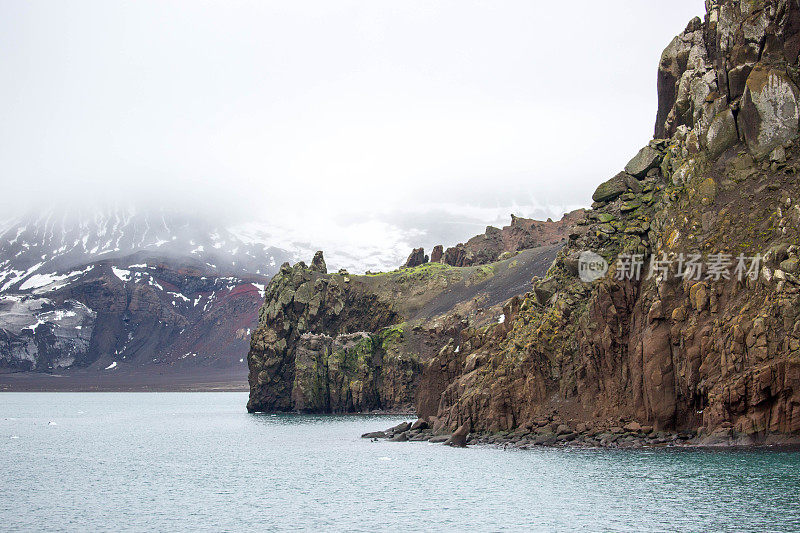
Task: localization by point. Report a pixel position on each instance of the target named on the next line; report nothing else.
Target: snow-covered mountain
(121, 290)
(38, 245)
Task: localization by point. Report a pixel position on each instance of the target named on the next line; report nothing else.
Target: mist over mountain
(365, 147)
(62, 238)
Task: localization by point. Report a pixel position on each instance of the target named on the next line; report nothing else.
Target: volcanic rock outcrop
(318, 263)
(649, 341)
(437, 254)
(495, 243)
(711, 353)
(347, 343)
(416, 258)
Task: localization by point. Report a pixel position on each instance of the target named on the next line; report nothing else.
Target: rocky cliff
(499, 243)
(714, 352)
(346, 343)
(674, 306)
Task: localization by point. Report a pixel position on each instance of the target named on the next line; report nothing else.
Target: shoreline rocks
(630, 436)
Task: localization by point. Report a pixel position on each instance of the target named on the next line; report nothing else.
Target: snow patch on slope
(121, 273)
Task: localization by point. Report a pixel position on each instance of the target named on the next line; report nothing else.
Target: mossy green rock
(647, 158)
(608, 229)
(611, 189)
(635, 230)
(632, 205)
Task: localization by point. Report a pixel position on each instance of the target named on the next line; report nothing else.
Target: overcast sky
(332, 122)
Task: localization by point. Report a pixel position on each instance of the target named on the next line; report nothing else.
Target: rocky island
(503, 338)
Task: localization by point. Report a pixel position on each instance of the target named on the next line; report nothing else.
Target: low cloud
(362, 128)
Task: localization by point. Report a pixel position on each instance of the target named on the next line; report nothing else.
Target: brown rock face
(712, 354)
(522, 234)
(715, 352)
(318, 263)
(416, 258)
(459, 437)
(437, 254)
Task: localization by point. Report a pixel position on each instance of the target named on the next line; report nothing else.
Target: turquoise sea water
(198, 461)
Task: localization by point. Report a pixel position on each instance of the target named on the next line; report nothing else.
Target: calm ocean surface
(198, 461)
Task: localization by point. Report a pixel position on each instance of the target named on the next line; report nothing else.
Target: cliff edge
(714, 350)
(351, 343)
(675, 304)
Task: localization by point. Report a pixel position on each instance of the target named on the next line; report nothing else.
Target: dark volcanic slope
(511, 277)
(113, 324)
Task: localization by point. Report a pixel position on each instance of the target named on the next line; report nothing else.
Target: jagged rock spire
(318, 263)
(733, 77)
